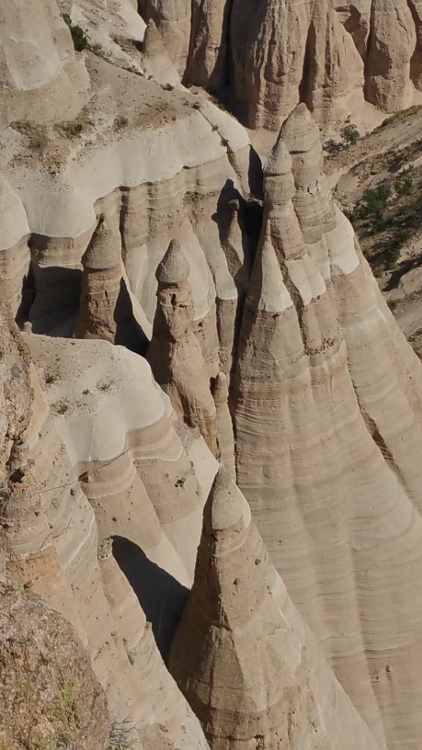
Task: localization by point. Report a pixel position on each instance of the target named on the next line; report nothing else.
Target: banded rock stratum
(176, 317)
(337, 56)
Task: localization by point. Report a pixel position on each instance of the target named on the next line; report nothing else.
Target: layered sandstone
(237, 657)
(175, 354)
(48, 695)
(58, 540)
(103, 479)
(334, 56)
(320, 388)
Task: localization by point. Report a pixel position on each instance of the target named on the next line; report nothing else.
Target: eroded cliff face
(335, 55)
(319, 347)
(129, 248)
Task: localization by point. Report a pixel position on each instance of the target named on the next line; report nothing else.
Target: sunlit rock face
(335, 55)
(327, 396)
(130, 227)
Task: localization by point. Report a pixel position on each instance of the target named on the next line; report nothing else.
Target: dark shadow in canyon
(232, 207)
(161, 596)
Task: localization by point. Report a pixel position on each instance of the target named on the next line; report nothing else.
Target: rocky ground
(378, 183)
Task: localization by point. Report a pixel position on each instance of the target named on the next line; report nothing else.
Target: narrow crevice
(306, 86)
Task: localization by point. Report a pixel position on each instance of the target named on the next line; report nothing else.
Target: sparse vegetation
(386, 218)
(403, 184)
(350, 134)
(36, 134)
(71, 128)
(121, 736)
(80, 42)
(120, 122)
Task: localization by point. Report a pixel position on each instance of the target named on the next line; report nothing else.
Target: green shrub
(403, 184)
(350, 134)
(120, 122)
(80, 42)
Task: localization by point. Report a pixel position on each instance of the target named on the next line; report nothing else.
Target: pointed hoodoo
(153, 44)
(105, 310)
(174, 268)
(103, 252)
(279, 161)
(279, 185)
(234, 656)
(220, 393)
(313, 201)
(175, 354)
(300, 131)
(101, 283)
(158, 64)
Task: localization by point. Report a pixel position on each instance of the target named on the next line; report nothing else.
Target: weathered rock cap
(220, 390)
(279, 161)
(103, 251)
(225, 507)
(300, 131)
(153, 44)
(174, 268)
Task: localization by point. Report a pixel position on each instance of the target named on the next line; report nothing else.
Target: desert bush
(80, 42)
(403, 184)
(121, 736)
(350, 134)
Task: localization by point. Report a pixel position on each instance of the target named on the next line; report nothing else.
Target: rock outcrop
(49, 695)
(41, 76)
(319, 347)
(280, 356)
(175, 354)
(235, 656)
(106, 307)
(334, 56)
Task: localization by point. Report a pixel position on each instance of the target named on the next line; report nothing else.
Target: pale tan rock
(235, 656)
(334, 56)
(156, 60)
(220, 394)
(51, 539)
(105, 306)
(315, 429)
(175, 354)
(390, 48)
(41, 78)
(172, 18)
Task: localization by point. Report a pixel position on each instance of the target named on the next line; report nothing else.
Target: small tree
(80, 41)
(350, 134)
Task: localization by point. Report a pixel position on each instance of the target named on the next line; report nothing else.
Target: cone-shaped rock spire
(175, 354)
(174, 268)
(234, 656)
(105, 305)
(224, 423)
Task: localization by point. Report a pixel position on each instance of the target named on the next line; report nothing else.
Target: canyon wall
(337, 56)
(166, 308)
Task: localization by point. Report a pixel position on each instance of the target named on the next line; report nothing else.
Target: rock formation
(235, 656)
(220, 394)
(131, 213)
(105, 306)
(315, 331)
(332, 55)
(49, 696)
(175, 354)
